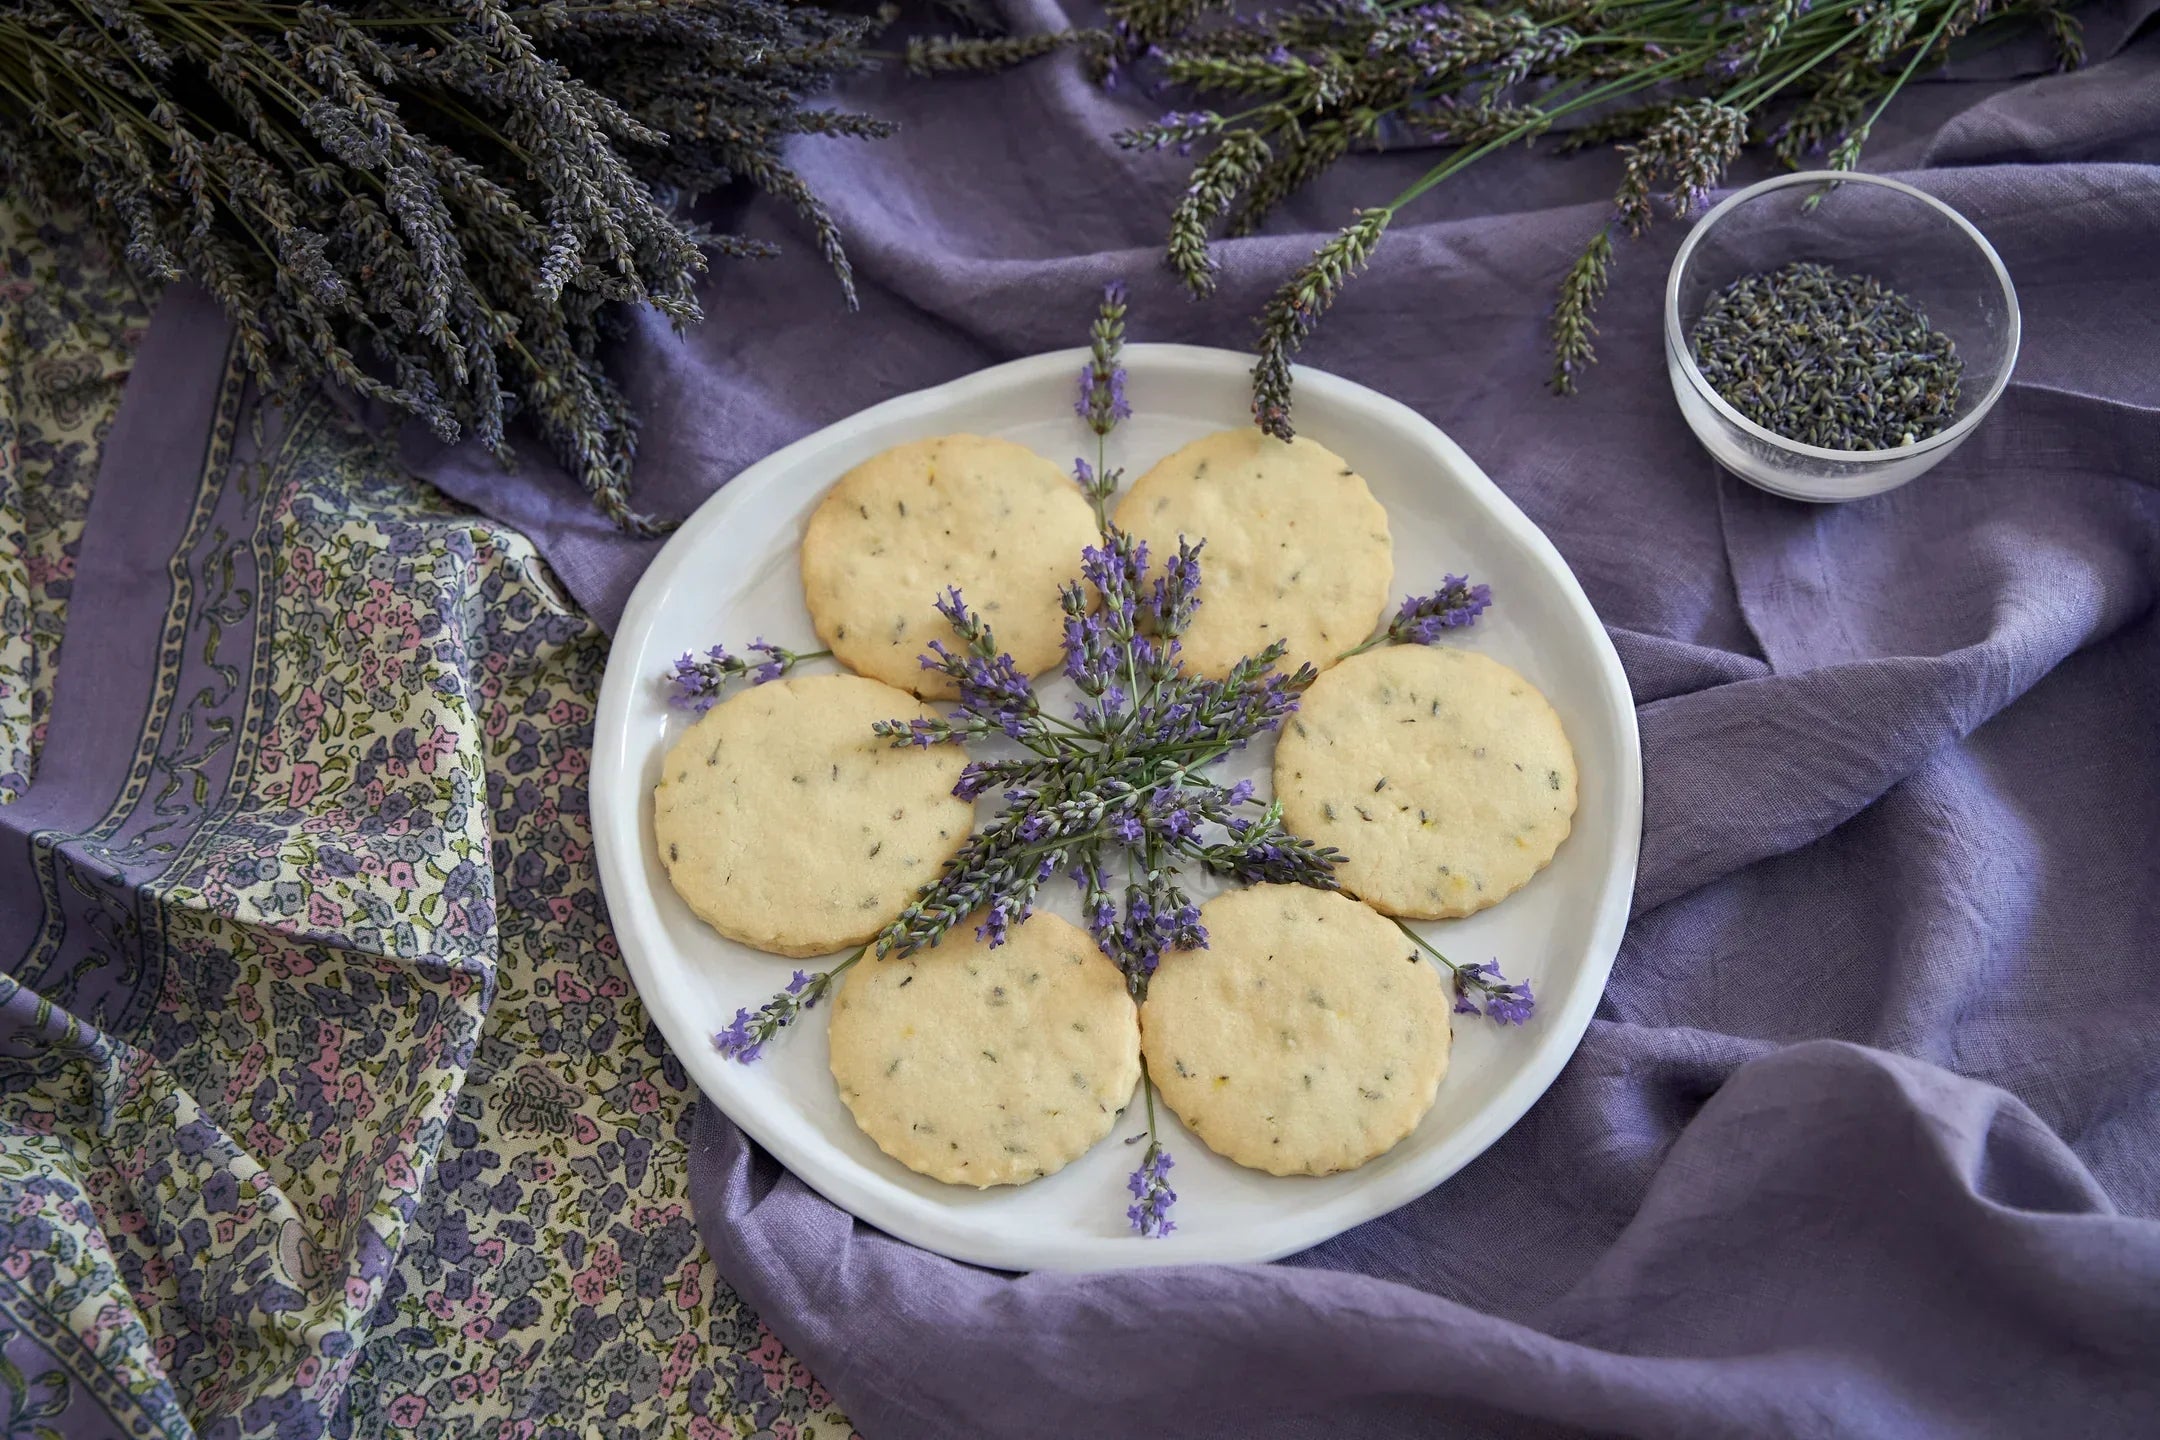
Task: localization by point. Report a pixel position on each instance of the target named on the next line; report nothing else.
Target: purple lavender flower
(1152, 1195)
(1100, 488)
(1101, 917)
(775, 663)
(1116, 569)
(1176, 593)
(1084, 407)
(994, 695)
(1510, 1005)
(1079, 632)
(746, 1035)
(1423, 618)
(738, 1041)
(696, 683)
(1178, 128)
(1506, 1002)
(1102, 400)
(1173, 818)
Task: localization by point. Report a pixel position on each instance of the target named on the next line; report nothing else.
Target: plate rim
(920, 1220)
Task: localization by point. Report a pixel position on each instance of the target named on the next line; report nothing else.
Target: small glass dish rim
(1940, 440)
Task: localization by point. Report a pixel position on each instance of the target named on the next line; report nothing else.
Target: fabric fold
(1766, 1286)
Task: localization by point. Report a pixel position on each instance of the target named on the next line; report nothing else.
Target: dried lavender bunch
(1267, 102)
(434, 203)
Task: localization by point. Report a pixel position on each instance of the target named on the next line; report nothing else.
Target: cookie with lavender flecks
(981, 1065)
(1305, 1039)
(785, 823)
(1298, 550)
(988, 517)
(1443, 777)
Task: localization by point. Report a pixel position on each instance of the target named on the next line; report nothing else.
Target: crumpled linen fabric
(1863, 1139)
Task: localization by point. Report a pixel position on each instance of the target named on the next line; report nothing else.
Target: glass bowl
(1868, 225)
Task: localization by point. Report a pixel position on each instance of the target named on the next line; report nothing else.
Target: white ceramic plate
(730, 575)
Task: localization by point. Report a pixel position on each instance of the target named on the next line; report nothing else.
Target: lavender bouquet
(434, 203)
(1116, 797)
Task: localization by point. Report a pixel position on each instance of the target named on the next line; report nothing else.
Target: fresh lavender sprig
(695, 682)
(1102, 400)
(1097, 487)
(1177, 129)
(1505, 1001)
(1150, 1186)
(1689, 150)
(1216, 182)
(992, 689)
(1572, 327)
(1149, 1214)
(747, 1034)
(1262, 852)
(1158, 917)
(1295, 308)
(1423, 619)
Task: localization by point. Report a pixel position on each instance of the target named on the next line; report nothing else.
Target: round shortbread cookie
(990, 517)
(1443, 777)
(785, 824)
(1297, 548)
(981, 1066)
(1305, 1039)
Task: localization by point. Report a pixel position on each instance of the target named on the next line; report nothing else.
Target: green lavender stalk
(1295, 308)
(1216, 181)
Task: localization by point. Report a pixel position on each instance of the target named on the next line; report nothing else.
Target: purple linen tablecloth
(1865, 1139)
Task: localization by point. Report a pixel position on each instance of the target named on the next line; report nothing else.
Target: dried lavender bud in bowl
(1828, 358)
(1833, 335)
